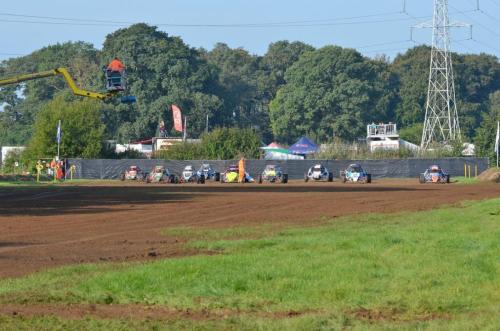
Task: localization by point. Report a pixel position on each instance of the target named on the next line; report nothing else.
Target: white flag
(497, 140)
(59, 132)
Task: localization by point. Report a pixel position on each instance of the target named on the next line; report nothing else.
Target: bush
(220, 144)
(82, 130)
(128, 154)
(9, 165)
(339, 150)
(182, 151)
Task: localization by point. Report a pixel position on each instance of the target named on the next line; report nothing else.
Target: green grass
(464, 180)
(443, 264)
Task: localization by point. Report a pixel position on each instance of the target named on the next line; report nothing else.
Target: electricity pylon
(441, 124)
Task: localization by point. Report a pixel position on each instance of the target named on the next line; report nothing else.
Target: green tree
(237, 83)
(486, 133)
(412, 69)
(220, 144)
(412, 133)
(332, 91)
(82, 130)
(161, 71)
(477, 76)
(279, 57)
(24, 100)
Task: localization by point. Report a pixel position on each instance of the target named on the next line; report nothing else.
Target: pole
(58, 140)
(185, 129)
(206, 127)
(497, 142)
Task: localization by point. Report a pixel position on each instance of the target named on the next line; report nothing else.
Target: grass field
(437, 270)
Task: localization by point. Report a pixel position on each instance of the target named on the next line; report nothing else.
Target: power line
(485, 44)
(488, 15)
(204, 25)
(307, 23)
(380, 44)
(382, 51)
(465, 46)
(478, 23)
(495, 3)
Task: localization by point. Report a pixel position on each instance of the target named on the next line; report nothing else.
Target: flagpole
(497, 143)
(59, 140)
(185, 128)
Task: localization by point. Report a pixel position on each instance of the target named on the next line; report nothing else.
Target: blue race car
(355, 174)
(434, 174)
(209, 173)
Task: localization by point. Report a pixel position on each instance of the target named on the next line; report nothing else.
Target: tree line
(292, 90)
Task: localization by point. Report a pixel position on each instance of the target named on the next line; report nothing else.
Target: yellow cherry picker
(115, 81)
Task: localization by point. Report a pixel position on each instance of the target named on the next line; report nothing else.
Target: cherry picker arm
(69, 80)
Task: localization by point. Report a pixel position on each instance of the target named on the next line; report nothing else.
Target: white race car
(190, 175)
(318, 172)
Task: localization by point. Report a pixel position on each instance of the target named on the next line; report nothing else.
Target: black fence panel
(395, 168)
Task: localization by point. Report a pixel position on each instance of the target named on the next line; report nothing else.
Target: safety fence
(395, 168)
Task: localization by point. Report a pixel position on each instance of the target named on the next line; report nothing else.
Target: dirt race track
(52, 226)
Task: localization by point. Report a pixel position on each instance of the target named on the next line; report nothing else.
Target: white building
(382, 137)
(145, 149)
(6, 150)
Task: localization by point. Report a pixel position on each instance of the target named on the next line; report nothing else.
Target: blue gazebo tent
(303, 146)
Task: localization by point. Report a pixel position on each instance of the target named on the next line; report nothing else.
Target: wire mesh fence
(396, 168)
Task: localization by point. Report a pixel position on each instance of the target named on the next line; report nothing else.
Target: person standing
(241, 170)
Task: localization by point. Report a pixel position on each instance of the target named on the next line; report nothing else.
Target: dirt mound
(490, 175)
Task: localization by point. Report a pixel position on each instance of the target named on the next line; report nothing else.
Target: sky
(373, 27)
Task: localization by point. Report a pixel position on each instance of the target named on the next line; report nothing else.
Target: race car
(133, 173)
(273, 174)
(434, 174)
(189, 175)
(318, 172)
(160, 174)
(231, 175)
(355, 174)
(209, 173)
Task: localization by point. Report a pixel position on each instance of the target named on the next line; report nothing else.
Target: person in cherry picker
(115, 75)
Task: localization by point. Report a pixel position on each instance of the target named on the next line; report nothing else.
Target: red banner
(176, 112)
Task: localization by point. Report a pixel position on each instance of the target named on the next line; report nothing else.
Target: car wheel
(306, 178)
(330, 177)
(122, 177)
(217, 176)
(260, 179)
(285, 179)
(368, 178)
(421, 179)
(447, 179)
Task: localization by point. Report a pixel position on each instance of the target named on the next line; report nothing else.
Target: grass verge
(429, 269)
